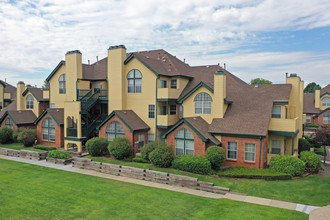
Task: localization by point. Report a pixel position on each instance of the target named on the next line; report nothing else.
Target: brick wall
(200, 146)
(319, 119)
(3, 123)
(59, 134)
(240, 152)
(42, 107)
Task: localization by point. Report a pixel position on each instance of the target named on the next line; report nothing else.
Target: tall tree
(45, 85)
(258, 81)
(311, 87)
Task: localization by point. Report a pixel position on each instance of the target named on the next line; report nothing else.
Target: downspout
(133, 145)
(156, 107)
(260, 151)
(292, 145)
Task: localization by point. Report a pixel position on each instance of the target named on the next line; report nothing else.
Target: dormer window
(62, 86)
(326, 101)
(276, 113)
(134, 81)
(203, 103)
(29, 101)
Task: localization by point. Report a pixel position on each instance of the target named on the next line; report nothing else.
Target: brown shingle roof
(326, 89)
(10, 107)
(37, 92)
(309, 103)
(95, 71)
(9, 89)
(132, 119)
(22, 117)
(58, 114)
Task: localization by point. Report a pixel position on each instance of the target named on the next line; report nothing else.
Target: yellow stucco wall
(72, 110)
(35, 104)
(321, 99)
(169, 93)
(2, 95)
(54, 95)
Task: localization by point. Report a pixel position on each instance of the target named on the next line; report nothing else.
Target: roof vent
(184, 60)
(195, 118)
(256, 86)
(57, 110)
(164, 59)
(158, 57)
(207, 66)
(147, 57)
(125, 113)
(169, 67)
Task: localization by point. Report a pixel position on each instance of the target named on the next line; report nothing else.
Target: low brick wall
(32, 155)
(150, 175)
(59, 161)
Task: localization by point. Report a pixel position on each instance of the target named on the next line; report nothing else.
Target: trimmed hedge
(148, 148)
(120, 148)
(319, 151)
(311, 125)
(162, 156)
(43, 147)
(194, 164)
(216, 155)
(6, 135)
(28, 137)
(16, 133)
(253, 173)
(59, 154)
(312, 161)
(138, 159)
(97, 146)
(287, 164)
(303, 145)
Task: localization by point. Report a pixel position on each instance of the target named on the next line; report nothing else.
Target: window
(275, 147)
(326, 101)
(173, 84)
(151, 138)
(134, 81)
(162, 110)
(232, 150)
(276, 113)
(151, 111)
(172, 109)
(163, 83)
(29, 102)
(52, 105)
(62, 85)
(115, 129)
(308, 119)
(326, 118)
(48, 130)
(184, 142)
(141, 140)
(9, 123)
(203, 103)
(249, 152)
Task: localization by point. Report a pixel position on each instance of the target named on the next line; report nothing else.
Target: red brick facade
(128, 133)
(29, 126)
(43, 106)
(59, 134)
(319, 119)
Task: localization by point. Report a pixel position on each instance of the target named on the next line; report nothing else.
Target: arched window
(115, 129)
(134, 81)
(9, 123)
(326, 118)
(184, 142)
(326, 101)
(62, 85)
(203, 103)
(48, 130)
(29, 101)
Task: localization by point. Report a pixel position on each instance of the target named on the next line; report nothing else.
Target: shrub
(311, 125)
(254, 173)
(97, 146)
(28, 137)
(6, 135)
(194, 164)
(16, 134)
(312, 161)
(120, 148)
(319, 151)
(138, 159)
(216, 156)
(303, 145)
(287, 164)
(59, 154)
(162, 156)
(148, 148)
(43, 147)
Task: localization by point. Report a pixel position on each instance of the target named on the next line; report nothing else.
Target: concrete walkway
(317, 211)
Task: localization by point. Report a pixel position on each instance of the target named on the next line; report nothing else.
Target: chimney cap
(293, 75)
(21, 82)
(73, 51)
(28, 85)
(219, 72)
(117, 46)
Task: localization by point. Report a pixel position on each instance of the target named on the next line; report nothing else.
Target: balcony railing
(71, 132)
(83, 94)
(167, 120)
(287, 125)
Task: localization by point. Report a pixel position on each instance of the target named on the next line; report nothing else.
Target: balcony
(168, 93)
(71, 132)
(167, 120)
(285, 125)
(83, 94)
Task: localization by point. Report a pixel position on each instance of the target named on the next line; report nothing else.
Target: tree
(45, 85)
(258, 81)
(311, 87)
(322, 135)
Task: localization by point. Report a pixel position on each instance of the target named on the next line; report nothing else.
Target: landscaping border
(59, 161)
(32, 155)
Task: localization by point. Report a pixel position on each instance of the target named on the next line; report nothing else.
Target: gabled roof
(36, 92)
(95, 71)
(11, 107)
(199, 126)
(62, 62)
(129, 118)
(309, 104)
(9, 89)
(56, 113)
(20, 117)
(321, 112)
(325, 90)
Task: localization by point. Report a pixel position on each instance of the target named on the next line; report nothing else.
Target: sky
(256, 39)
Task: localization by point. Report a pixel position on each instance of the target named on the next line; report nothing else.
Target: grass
(311, 190)
(45, 193)
(17, 146)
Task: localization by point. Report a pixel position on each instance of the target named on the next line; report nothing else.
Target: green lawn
(33, 192)
(17, 146)
(311, 190)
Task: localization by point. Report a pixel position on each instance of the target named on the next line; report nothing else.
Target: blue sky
(254, 38)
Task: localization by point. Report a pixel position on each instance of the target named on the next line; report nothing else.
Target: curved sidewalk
(319, 213)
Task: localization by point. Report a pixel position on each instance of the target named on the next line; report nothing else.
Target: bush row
(59, 154)
(21, 135)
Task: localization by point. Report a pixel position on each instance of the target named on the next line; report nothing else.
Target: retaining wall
(59, 161)
(150, 175)
(32, 155)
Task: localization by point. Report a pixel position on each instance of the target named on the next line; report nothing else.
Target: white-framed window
(172, 109)
(62, 84)
(232, 150)
(203, 103)
(326, 101)
(163, 83)
(29, 101)
(249, 152)
(9, 123)
(52, 105)
(275, 147)
(151, 137)
(134, 81)
(151, 111)
(326, 118)
(115, 129)
(174, 83)
(276, 112)
(162, 110)
(308, 119)
(184, 142)
(141, 140)
(48, 130)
